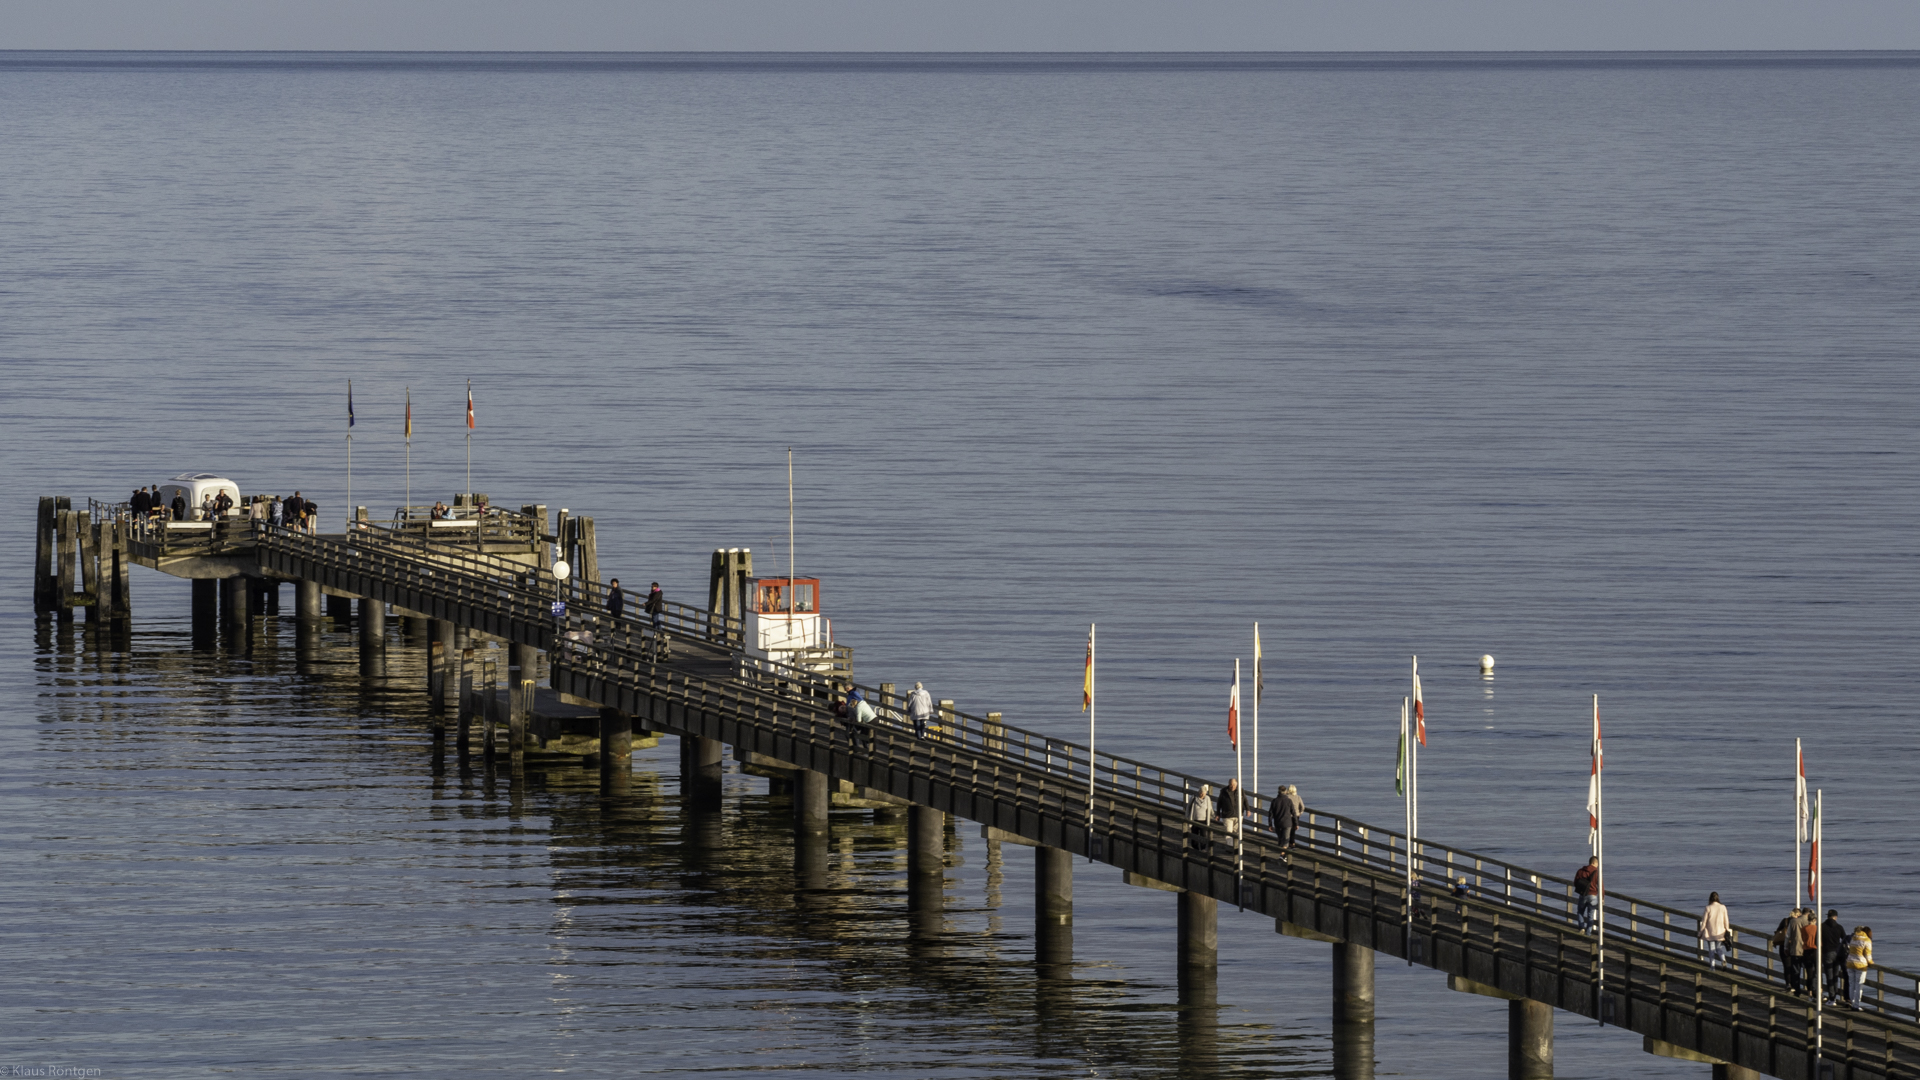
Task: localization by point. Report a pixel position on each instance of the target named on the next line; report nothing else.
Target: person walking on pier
(1586, 885)
(656, 606)
(1200, 820)
(276, 513)
(1790, 940)
(1833, 956)
(920, 710)
(1231, 809)
(1283, 814)
(140, 503)
(1859, 959)
(1715, 928)
(616, 600)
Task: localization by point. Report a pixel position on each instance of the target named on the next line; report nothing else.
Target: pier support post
(1529, 1040)
(700, 772)
(1052, 906)
(306, 600)
(235, 591)
(373, 637)
(1352, 1012)
(206, 609)
(616, 742)
(811, 800)
(926, 858)
(1199, 932)
(522, 669)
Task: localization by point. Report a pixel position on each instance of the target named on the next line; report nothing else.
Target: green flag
(1400, 770)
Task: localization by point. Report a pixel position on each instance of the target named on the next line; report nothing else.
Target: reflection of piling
(1352, 1012)
(926, 871)
(1199, 1024)
(1052, 909)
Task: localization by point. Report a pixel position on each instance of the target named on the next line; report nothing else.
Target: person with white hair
(920, 710)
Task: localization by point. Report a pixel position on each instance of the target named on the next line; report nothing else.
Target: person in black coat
(179, 506)
(1833, 957)
(1283, 816)
(140, 503)
(616, 599)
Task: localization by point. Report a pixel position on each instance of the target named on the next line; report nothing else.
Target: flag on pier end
(349, 402)
(469, 404)
(1813, 856)
(1233, 708)
(1593, 780)
(1419, 709)
(409, 433)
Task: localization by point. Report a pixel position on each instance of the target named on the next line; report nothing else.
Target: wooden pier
(1495, 929)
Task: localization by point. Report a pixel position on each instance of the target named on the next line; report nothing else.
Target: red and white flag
(469, 404)
(1813, 859)
(1233, 709)
(1419, 709)
(1593, 780)
(1800, 808)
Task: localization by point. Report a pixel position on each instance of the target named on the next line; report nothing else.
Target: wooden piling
(87, 544)
(119, 572)
(521, 709)
(1529, 1039)
(464, 722)
(442, 656)
(46, 583)
(1353, 1011)
(234, 606)
(589, 566)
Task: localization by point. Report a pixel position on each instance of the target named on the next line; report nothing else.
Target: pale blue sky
(967, 25)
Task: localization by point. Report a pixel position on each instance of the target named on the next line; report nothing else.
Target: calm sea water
(1604, 365)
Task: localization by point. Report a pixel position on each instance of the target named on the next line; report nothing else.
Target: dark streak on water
(1602, 364)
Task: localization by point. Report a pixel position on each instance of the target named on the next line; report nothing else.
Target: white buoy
(1486, 664)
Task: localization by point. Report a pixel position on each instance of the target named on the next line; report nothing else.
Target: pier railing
(584, 599)
(1121, 797)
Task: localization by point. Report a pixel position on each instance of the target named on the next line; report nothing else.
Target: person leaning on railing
(1586, 885)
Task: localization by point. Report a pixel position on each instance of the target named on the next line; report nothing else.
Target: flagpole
(1600, 853)
(1799, 814)
(349, 480)
(1240, 822)
(1406, 805)
(1256, 707)
(1819, 932)
(1092, 714)
(409, 503)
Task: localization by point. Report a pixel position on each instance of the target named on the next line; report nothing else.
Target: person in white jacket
(919, 710)
(1715, 929)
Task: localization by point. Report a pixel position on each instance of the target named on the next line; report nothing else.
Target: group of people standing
(295, 512)
(1844, 958)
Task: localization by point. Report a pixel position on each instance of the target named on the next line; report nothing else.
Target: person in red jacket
(1586, 885)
